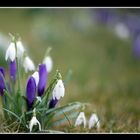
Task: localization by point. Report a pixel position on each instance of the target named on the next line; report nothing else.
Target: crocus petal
(53, 103)
(36, 77)
(13, 70)
(94, 121)
(81, 119)
(30, 91)
(2, 71)
(59, 90)
(20, 49)
(49, 63)
(11, 52)
(2, 84)
(28, 64)
(43, 75)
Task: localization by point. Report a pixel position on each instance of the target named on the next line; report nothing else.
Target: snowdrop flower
(30, 91)
(13, 70)
(35, 75)
(11, 52)
(28, 64)
(34, 121)
(20, 49)
(94, 121)
(81, 119)
(58, 90)
(121, 31)
(49, 63)
(43, 75)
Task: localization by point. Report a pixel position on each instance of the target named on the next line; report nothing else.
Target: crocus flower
(81, 119)
(94, 121)
(43, 75)
(34, 121)
(58, 90)
(2, 71)
(13, 70)
(28, 64)
(49, 63)
(20, 49)
(30, 91)
(11, 52)
(2, 84)
(53, 103)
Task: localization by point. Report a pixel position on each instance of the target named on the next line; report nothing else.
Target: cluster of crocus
(93, 121)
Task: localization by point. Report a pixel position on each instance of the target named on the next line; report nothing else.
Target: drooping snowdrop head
(94, 121)
(58, 90)
(49, 63)
(30, 91)
(43, 76)
(13, 70)
(11, 52)
(20, 49)
(81, 119)
(2, 84)
(35, 75)
(28, 64)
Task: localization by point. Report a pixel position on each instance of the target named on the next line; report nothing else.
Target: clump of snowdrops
(31, 105)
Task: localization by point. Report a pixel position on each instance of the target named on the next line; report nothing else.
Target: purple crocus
(42, 79)
(53, 103)
(13, 70)
(30, 92)
(2, 83)
(2, 71)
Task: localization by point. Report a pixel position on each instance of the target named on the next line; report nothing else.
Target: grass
(105, 73)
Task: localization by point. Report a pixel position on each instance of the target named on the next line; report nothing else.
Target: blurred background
(100, 46)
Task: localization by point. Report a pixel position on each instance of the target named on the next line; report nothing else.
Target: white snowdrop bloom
(48, 62)
(35, 75)
(20, 49)
(81, 119)
(11, 52)
(58, 90)
(94, 121)
(122, 31)
(28, 64)
(33, 122)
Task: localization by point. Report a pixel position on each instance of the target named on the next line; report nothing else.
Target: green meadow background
(104, 71)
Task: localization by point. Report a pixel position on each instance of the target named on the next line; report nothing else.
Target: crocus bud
(53, 103)
(20, 49)
(2, 84)
(58, 90)
(30, 92)
(11, 52)
(2, 71)
(13, 70)
(94, 121)
(81, 119)
(43, 75)
(49, 63)
(28, 64)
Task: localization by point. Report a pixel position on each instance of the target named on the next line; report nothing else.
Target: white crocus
(11, 52)
(35, 75)
(48, 62)
(94, 121)
(81, 119)
(20, 49)
(28, 64)
(58, 90)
